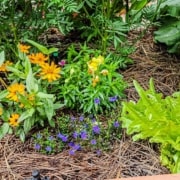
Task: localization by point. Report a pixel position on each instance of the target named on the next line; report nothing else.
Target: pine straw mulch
(127, 158)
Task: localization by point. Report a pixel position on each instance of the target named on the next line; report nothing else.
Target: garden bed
(127, 158)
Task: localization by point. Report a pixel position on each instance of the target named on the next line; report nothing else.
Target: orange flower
(24, 48)
(14, 90)
(50, 72)
(38, 58)
(13, 120)
(3, 67)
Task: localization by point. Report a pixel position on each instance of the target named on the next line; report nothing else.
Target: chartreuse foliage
(157, 119)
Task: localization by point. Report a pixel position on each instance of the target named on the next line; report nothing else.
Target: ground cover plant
(69, 97)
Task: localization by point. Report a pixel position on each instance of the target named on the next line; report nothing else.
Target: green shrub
(157, 119)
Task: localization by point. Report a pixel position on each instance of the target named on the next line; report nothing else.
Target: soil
(127, 158)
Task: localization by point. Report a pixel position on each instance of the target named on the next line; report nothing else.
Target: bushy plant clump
(157, 119)
(35, 87)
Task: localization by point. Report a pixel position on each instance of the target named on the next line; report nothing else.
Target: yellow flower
(38, 58)
(14, 90)
(50, 72)
(104, 72)
(95, 80)
(1, 111)
(13, 120)
(24, 48)
(3, 67)
(94, 64)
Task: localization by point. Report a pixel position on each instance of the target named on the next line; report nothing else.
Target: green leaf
(22, 135)
(44, 95)
(52, 50)
(138, 4)
(2, 57)
(27, 125)
(26, 114)
(3, 94)
(169, 34)
(41, 48)
(31, 84)
(4, 130)
(18, 73)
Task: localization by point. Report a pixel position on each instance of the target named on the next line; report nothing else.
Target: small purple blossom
(96, 129)
(62, 62)
(37, 147)
(51, 138)
(62, 137)
(113, 99)
(73, 118)
(97, 101)
(98, 152)
(71, 144)
(75, 135)
(116, 124)
(93, 120)
(93, 142)
(48, 149)
(83, 135)
(77, 147)
(72, 152)
(81, 118)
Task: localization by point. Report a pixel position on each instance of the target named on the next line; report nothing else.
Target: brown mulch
(127, 158)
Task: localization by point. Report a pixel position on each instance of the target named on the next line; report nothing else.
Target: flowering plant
(90, 82)
(24, 98)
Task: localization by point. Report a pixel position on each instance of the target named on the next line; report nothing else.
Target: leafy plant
(25, 101)
(157, 119)
(89, 81)
(78, 133)
(169, 30)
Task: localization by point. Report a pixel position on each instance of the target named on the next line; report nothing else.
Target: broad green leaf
(44, 95)
(26, 114)
(2, 57)
(52, 50)
(4, 130)
(18, 73)
(138, 4)
(3, 94)
(41, 48)
(27, 125)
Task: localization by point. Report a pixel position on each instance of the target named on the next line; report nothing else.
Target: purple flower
(93, 120)
(48, 149)
(37, 147)
(71, 144)
(93, 142)
(75, 135)
(72, 152)
(116, 124)
(83, 135)
(77, 147)
(73, 118)
(97, 101)
(62, 137)
(51, 138)
(98, 152)
(113, 99)
(81, 118)
(62, 62)
(96, 129)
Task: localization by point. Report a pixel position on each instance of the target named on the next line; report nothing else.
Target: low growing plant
(78, 133)
(157, 119)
